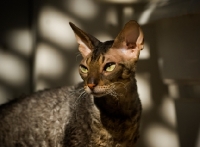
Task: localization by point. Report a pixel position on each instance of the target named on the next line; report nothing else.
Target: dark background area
(38, 50)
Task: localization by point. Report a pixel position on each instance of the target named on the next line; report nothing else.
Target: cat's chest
(88, 128)
(102, 135)
(85, 128)
(98, 134)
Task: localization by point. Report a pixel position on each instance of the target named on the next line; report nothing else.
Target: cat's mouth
(95, 91)
(98, 94)
(100, 91)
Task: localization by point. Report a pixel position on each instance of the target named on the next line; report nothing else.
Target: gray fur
(62, 117)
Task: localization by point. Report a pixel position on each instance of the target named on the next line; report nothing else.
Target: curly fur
(105, 115)
(56, 118)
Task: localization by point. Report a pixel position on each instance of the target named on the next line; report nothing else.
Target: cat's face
(103, 74)
(107, 67)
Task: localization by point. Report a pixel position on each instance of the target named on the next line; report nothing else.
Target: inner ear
(130, 40)
(130, 36)
(86, 41)
(130, 45)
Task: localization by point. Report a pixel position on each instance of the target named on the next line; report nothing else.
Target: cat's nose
(91, 86)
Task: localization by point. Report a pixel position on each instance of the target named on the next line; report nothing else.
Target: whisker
(112, 92)
(79, 54)
(81, 90)
(73, 92)
(79, 98)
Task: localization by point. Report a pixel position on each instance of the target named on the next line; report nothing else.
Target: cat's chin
(95, 93)
(98, 95)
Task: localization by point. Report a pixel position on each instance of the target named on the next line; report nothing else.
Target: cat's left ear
(86, 41)
(129, 41)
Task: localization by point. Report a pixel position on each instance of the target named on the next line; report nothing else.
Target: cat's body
(102, 111)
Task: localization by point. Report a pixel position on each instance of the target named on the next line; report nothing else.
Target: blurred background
(38, 50)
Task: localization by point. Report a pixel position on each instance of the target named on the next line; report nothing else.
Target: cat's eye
(110, 66)
(83, 69)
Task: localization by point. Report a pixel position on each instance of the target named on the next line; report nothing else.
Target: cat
(102, 111)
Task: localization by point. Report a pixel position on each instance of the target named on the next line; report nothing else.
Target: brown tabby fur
(102, 111)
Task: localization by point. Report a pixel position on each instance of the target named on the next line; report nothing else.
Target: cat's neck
(124, 105)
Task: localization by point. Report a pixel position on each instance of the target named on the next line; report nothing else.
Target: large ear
(86, 41)
(129, 41)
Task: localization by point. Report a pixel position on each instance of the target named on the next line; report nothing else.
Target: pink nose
(91, 86)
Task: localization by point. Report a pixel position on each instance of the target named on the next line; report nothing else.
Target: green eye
(83, 69)
(110, 66)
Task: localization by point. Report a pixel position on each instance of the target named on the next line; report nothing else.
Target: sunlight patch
(49, 62)
(144, 90)
(103, 36)
(20, 40)
(13, 70)
(145, 53)
(111, 16)
(167, 111)
(54, 26)
(128, 13)
(120, 1)
(145, 16)
(84, 9)
(158, 135)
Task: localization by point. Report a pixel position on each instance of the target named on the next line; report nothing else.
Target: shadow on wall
(15, 49)
(38, 50)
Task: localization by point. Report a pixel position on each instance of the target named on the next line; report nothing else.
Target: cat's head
(108, 66)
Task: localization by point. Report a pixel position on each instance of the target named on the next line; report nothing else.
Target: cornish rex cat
(102, 111)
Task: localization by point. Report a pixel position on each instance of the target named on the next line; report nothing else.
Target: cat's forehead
(101, 49)
(100, 54)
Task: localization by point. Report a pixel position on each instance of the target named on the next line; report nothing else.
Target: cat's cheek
(83, 76)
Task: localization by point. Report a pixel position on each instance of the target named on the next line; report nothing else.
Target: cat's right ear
(86, 41)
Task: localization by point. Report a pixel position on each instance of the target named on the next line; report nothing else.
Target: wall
(15, 49)
(179, 49)
(38, 50)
